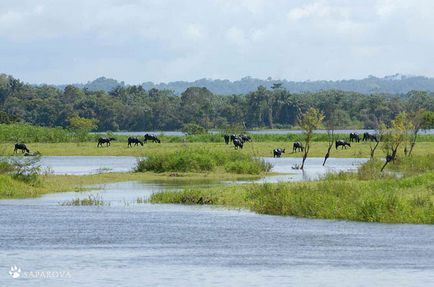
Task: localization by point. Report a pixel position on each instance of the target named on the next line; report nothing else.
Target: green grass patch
(90, 200)
(203, 160)
(367, 195)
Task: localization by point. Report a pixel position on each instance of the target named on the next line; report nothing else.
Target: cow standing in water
(343, 144)
(278, 152)
(22, 147)
(106, 141)
(297, 146)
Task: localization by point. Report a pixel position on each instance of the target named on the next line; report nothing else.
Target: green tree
(194, 129)
(82, 126)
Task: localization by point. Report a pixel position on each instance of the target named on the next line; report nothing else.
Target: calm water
(79, 165)
(280, 131)
(130, 244)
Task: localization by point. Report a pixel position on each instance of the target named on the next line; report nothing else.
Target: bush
(202, 160)
(26, 169)
(194, 129)
(248, 167)
(29, 133)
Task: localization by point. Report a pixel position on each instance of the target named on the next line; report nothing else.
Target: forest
(134, 108)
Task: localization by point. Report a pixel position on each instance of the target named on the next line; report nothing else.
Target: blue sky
(56, 41)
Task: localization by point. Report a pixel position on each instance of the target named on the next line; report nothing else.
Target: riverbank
(363, 196)
(260, 149)
(11, 188)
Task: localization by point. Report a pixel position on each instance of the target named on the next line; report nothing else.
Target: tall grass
(366, 195)
(90, 200)
(29, 133)
(202, 160)
(408, 200)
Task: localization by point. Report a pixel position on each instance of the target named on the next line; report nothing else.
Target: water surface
(130, 244)
(126, 243)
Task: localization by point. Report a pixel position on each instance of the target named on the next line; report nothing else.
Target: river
(263, 132)
(126, 243)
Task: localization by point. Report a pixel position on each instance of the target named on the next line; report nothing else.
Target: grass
(119, 148)
(12, 188)
(27, 133)
(90, 200)
(203, 160)
(363, 196)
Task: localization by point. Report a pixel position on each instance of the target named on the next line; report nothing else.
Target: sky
(59, 41)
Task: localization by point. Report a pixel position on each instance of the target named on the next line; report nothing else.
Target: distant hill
(395, 84)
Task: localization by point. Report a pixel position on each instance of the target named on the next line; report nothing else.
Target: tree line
(134, 108)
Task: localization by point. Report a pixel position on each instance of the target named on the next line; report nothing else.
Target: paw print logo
(15, 271)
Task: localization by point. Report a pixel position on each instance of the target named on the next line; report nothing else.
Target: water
(130, 244)
(260, 132)
(80, 165)
(126, 243)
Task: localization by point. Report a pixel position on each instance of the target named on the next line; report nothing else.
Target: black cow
(134, 141)
(152, 138)
(278, 152)
(343, 144)
(369, 137)
(22, 147)
(245, 138)
(227, 138)
(297, 146)
(354, 137)
(238, 143)
(106, 141)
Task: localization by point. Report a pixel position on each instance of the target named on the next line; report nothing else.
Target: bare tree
(395, 136)
(309, 121)
(421, 119)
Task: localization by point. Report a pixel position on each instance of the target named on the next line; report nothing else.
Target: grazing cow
(342, 143)
(278, 152)
(22, 147)
(232, 137)
(369, 137)
(297, 146)
(106, 141)
(152, 138)
(134, 141)
(245, 138)
(354, 137)
(238, 143)
(227, 138)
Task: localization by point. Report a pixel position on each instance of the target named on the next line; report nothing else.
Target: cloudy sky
(58, 41)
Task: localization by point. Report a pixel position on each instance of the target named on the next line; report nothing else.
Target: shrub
(202, 160)
(194, 129)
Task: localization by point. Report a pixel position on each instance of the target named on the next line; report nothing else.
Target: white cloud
(164, 40)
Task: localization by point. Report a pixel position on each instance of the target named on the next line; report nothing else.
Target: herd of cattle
(237, 140)
(131, 140)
